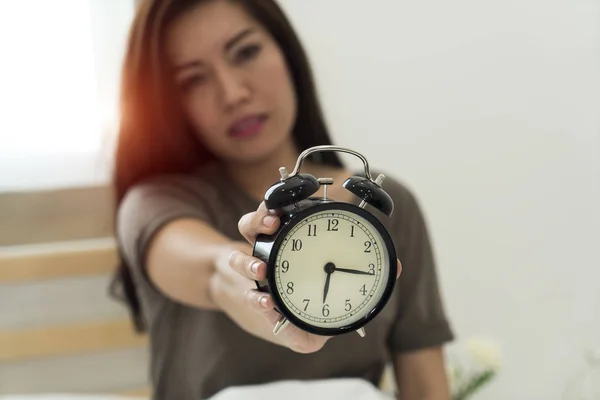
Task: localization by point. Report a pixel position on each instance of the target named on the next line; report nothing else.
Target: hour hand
(326, 287)
(353, 271)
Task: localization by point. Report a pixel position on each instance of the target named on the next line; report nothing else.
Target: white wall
(489, 111)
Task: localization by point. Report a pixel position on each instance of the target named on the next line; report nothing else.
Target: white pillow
(355, 389)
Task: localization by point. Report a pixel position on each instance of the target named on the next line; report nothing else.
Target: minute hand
(352, 271)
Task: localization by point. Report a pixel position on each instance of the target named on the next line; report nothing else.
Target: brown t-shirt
(195, 352)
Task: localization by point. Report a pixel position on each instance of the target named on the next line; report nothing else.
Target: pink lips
(247, 127)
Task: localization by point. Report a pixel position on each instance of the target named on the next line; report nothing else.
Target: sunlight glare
(47, 79)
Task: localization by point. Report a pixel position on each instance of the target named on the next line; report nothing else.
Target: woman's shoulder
(403, 195)
(396, 187)
(166, 196)
(407, 218)
(198, 184)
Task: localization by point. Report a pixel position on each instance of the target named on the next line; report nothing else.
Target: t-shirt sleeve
(146, 208)
(421, 320)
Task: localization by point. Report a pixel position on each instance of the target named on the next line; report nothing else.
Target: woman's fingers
(399, 269)
(290, 336)
(248, 266)
(262, 220)
(250, 225)
(259, 301)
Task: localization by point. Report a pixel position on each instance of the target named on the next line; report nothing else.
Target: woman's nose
(234, 90)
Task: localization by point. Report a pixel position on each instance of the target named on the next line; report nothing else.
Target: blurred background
(488, 110)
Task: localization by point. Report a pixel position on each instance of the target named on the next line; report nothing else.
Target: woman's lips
(248, 126)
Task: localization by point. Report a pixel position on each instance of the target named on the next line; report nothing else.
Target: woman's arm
(181, 260)
(421, 375)
(194, 264)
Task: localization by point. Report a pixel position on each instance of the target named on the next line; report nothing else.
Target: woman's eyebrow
(237, 38)
(230, 43)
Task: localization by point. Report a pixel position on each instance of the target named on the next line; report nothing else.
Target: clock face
(332, 268)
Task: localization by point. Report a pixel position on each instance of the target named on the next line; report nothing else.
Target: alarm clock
(331, 266)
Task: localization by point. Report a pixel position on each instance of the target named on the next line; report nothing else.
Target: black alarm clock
(331, 266)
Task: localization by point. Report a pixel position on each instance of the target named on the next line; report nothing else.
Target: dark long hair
(154, 136)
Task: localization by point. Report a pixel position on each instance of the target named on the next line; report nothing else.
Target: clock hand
(326, 287)
(353, 271)
(329, 268)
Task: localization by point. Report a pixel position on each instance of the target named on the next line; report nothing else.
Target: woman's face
(233, 81)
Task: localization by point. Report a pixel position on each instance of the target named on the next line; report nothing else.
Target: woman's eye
(247, 53)
(192, 81)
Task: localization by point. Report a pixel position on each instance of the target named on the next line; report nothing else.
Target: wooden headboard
(60, 331)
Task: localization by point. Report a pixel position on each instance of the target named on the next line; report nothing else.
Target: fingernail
(254, 267)
(269, 220)
(263, 301)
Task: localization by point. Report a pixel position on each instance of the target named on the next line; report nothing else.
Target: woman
(216, 96)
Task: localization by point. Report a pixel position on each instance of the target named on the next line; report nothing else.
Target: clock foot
(361, 332)
(280, 325)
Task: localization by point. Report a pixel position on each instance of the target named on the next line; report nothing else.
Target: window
(59, 76)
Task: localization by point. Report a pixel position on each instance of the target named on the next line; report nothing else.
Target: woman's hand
(233, 288)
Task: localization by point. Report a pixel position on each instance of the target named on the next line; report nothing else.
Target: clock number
(352, 231)
(372, 269)
(332, 224)
(348, 305)
(312, 230)
(363, 290)
(368, 246)
(296, 244)
(290, 288)
(325, 310)
(306, 301)
(285, 266)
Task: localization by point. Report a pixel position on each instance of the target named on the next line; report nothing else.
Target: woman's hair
(154, 135)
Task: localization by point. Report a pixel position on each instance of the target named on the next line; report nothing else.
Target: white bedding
(354, 389)
(65, 396)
